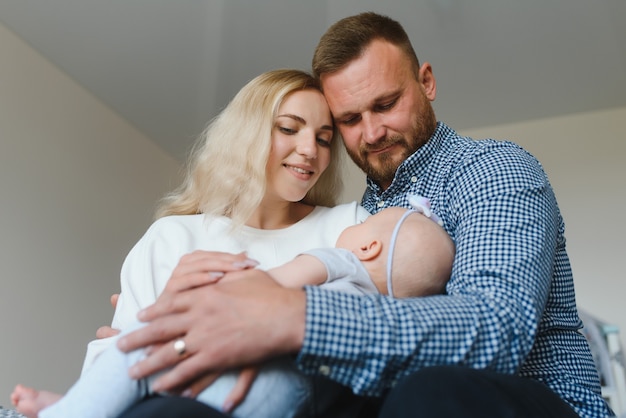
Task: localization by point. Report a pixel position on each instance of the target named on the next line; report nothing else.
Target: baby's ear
(370, 251)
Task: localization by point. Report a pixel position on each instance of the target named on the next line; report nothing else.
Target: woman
(258, 182)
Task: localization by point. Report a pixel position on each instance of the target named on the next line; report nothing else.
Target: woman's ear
(370, 251)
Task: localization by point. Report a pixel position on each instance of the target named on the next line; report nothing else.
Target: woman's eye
(287, 131)
(323, 142)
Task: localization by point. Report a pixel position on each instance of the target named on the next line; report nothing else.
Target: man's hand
(193, 270)
(232, 323)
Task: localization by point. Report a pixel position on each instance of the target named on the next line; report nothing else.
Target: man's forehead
(375, 76)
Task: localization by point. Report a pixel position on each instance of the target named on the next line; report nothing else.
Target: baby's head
(422, 255)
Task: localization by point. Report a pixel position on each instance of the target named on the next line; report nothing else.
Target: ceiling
(168, 66)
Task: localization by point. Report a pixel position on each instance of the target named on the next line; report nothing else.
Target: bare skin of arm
(301, 271)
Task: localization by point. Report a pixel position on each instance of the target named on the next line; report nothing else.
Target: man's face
(382, 111)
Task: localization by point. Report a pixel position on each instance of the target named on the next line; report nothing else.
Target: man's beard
(384, 168)
(387, 163)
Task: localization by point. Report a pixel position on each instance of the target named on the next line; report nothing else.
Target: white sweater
(150, 263)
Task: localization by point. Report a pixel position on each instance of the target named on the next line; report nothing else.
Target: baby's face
(375, 227)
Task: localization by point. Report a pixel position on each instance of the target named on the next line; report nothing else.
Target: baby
(396, 252)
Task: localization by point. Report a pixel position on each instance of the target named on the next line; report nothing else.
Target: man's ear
(370, 251)
(427, 80)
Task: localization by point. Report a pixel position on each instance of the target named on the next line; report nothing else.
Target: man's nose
(373, 129)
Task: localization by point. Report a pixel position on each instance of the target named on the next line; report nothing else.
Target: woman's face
(301, 136)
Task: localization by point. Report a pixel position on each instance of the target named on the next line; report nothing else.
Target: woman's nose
(307, 146)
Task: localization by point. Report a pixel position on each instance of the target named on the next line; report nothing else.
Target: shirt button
(324, 370)
(381, 204)
(414, 179)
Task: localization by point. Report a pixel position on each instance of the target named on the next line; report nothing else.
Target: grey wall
(78, 185)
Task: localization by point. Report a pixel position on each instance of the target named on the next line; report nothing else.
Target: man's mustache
(387, 142)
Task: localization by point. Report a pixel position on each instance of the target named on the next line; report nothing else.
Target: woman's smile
(300, 171)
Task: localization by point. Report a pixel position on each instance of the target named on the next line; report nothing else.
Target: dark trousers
(449, 391)
(443, 391)
(171, 407)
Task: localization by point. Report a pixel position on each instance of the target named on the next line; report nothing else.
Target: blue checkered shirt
(510, 303)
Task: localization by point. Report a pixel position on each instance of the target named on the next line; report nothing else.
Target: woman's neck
(278, 216)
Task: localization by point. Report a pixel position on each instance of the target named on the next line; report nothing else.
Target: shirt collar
(415, 164)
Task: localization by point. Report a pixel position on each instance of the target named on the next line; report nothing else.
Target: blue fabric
(510, 304)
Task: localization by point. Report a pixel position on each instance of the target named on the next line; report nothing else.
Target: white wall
(584, 156)
(78, 186)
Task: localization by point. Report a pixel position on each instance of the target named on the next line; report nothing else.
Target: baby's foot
(29, 401)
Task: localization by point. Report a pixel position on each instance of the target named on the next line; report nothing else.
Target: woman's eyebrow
(294, 117)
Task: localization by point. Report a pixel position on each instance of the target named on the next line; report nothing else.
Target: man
(504, 341)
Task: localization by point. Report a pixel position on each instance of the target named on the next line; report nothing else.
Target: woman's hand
(246, 378)
(239, 392)
(106, 331)
(200, 268)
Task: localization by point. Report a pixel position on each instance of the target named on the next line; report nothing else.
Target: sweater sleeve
(145, 271)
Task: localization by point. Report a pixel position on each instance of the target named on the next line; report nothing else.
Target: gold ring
(180, 347)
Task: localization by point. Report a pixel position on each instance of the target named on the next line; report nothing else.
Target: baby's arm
(304, 270)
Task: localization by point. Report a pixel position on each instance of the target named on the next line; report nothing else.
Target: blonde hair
(226, 169)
